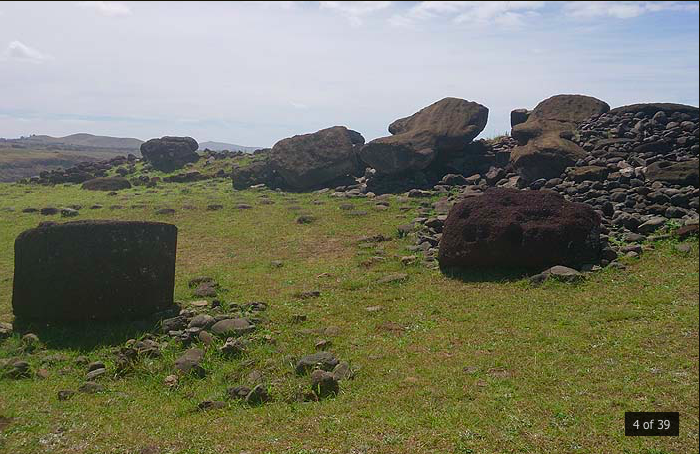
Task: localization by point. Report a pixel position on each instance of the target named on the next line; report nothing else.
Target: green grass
(446, 366)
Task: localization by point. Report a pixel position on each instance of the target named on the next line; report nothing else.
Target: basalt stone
(90, 270)
(312, 160)
(446, 126)
(650, 109)
(106, 184)
(321, 360)
(518, 116)
(546, 156)
(170, 153)
(508, 228)
(680, 173)
(232, 327)
(560, 113)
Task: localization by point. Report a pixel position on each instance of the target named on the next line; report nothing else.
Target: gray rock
(324, 384)
(232, 327)
(190, 362)
(321, 360)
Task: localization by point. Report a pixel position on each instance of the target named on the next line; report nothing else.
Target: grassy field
(473, 365)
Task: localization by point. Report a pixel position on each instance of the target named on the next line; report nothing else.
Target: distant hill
(82, 140)
(220, 146)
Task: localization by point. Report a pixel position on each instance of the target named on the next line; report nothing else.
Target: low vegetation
(479, 364)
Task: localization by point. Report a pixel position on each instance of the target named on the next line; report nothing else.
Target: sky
(252, 73)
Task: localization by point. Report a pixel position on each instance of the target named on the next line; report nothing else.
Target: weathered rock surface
(445, 126)
(257, 172)
(311, 160)
(546, 156)
(557, 114)
(507, 228)
(677, 173)
(87, 270)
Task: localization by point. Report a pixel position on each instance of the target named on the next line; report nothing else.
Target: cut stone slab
(94, 270)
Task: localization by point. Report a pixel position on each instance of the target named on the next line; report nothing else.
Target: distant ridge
(220, 146)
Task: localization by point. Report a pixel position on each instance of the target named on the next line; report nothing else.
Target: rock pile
(83, 171)
(638, 170)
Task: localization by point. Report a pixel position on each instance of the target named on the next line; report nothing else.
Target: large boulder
(508, 228)
(94, 270)
(557, 114)
(546, 156)
(170, 153)
(679, 173)
(106, 184)
(443, 127)
(310, 160)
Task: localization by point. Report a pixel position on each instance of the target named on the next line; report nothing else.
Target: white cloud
(19, 51)
(623, 10)
(298, 105)
(108, 8)
(355, 11)
(503, 14)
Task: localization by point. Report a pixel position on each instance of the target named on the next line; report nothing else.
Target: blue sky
(253, 73)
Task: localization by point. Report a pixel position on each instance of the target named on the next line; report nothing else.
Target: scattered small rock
(321, 360)
(324, 384)
(65, 394)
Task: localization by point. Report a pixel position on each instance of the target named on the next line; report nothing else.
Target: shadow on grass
(486, 275)
(87, 335)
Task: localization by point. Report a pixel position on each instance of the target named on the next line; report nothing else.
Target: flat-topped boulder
(106, 184)
(445, 126)
(310, 160)
(94, 270)
(170, 153)
(513, 229)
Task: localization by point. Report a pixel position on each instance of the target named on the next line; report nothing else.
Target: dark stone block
(94, 270)
(512, 229)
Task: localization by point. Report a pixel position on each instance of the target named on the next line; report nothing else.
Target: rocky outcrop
(94, 270)
(513, 229)
(444, 127)
(311, 160)
(170, 153)
(83, 171)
